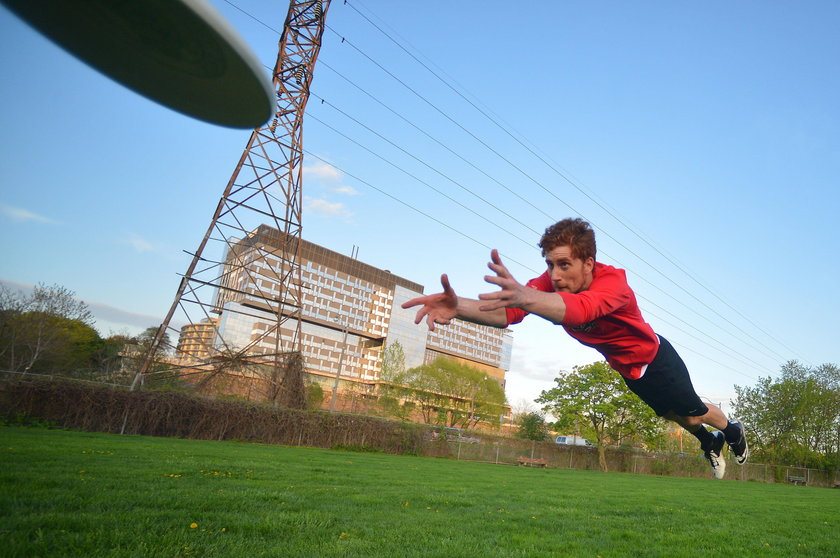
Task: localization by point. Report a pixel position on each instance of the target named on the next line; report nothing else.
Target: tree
(109, 361)
(393, 362)
(159, 372)
(49, 324)
(314, 395)
(448, 392)
(75, 350)
(391, 389)
(794, 419)
(531, 426)
(595, 398)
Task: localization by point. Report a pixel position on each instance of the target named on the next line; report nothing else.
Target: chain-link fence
(508, 451)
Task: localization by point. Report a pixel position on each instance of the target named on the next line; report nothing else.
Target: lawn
(66, 493)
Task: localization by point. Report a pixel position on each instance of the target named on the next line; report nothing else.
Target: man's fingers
(494, 279)
(496, 265)
(447, 288)
(495, 258)
(431, 321)
(420, 315)
(413, 302)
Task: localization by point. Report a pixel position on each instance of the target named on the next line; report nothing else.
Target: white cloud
(325, 208)
(329, 177)
(20, 215)
(322, 170)
(139, 244)
(345, 190)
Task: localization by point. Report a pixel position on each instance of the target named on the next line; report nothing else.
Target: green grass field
(80, 494)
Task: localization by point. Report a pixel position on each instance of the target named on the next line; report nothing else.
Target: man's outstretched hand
(511, 293)
(439, 308)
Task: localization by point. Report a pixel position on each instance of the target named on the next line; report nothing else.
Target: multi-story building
(350, 312)
(196, 340)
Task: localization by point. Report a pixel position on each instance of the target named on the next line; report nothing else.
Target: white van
(573, 441)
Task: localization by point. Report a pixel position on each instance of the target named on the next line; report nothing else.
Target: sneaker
(713, 454)
(740, 449)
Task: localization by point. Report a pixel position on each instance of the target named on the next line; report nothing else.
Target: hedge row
(96, 408)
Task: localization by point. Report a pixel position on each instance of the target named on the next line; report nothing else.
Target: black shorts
(666, 385)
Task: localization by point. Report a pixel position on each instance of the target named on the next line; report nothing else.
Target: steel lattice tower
(256, 228)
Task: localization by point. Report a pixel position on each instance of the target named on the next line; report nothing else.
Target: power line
(369, 150)
(425, 164)
(413, 208)
(473, 193)
(583, 191)
(547, 190)
(734, 352)
(487, 146)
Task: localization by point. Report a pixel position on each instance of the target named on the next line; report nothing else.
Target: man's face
(568, 274)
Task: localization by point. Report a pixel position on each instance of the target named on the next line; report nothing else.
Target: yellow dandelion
(193, 525)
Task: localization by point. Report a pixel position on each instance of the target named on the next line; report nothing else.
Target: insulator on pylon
(274, 125)
(318, 9)
(300, 74)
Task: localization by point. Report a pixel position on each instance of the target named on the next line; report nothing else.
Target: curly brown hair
(575, 233)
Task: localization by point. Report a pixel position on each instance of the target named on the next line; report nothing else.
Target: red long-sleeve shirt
(605, 317)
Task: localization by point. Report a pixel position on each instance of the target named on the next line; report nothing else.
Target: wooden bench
(528, 462)
(797, 480)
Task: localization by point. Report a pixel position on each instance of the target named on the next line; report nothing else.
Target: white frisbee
(179, 53)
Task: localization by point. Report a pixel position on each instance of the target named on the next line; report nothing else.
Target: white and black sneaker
(739, 449)
(714, 455)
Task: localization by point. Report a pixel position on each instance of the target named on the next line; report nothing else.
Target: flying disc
(179, 53)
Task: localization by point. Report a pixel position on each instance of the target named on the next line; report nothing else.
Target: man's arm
(490, 309)
(470, 310)
(511, 294)
(442, 308)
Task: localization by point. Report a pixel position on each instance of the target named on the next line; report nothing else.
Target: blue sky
(700, 139)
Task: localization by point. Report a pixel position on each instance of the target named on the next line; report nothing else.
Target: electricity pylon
(254, 233)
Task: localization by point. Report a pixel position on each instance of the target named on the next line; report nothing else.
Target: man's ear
(589, 265)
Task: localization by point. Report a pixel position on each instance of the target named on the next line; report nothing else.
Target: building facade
(196, 341)
(351, 311)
